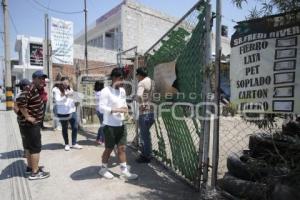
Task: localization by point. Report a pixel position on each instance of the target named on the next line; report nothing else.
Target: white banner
(62, 41)
(264, 66)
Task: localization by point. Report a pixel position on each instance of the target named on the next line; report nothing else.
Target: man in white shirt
(146, 113)
(112, 103)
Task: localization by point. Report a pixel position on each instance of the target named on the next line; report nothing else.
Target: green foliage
(269, 7)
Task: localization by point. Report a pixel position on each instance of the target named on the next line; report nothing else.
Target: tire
(243, 166)
(243, 189)
(284, 192)
(292, 128)
(237, 168)
(261, 144)
(244, 170)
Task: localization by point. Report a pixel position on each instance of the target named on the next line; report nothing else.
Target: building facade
(32, 58)
(127, 25)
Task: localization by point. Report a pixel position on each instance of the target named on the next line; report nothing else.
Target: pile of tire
(269, 170)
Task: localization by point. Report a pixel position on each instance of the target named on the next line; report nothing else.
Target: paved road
(74, 173)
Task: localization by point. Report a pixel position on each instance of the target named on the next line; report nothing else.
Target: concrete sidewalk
(74, 173)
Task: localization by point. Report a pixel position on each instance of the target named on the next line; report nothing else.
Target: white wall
(97, 30)
(142, 26)
(95, 54)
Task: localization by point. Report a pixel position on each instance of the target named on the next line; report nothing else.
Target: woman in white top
(66, 112)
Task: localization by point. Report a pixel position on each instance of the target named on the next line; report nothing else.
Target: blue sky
(27, 17)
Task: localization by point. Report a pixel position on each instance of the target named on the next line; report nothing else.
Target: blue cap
(23, 82)
(39, 74)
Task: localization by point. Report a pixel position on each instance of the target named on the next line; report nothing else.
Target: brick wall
(95, 68)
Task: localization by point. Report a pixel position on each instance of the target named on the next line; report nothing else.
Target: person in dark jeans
(66, 112)
(97, 88)
(145, 123)
(146, 113)
(65, 120)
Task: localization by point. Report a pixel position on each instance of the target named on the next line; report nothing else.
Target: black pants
(31, 135)
(64, 120)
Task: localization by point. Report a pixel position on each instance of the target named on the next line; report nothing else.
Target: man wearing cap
(31, 107)
(146, 112)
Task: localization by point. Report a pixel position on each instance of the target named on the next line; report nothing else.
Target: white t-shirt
(144, 92)
(112, 98)
(65, 104)
(54, 91)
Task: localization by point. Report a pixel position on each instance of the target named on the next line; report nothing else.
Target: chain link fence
(176, 64)
(235, 132)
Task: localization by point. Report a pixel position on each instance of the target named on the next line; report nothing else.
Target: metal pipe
(171, 29)
(125, 51)
(205, 126)
(110, 65)
(85, 38)
(215, 157)
(8, 83)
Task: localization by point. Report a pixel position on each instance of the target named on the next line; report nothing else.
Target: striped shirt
(32, 101)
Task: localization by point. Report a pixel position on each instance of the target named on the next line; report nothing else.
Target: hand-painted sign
(265, 60)
(62, 41)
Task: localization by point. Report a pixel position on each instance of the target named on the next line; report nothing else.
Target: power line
(13, 23)
(36, 7)
(49, 2)
(56, 11)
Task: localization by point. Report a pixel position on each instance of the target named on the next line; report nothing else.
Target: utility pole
(47, 44)
(85, 39)
(8, 83)
(48, 65)
(215, 157)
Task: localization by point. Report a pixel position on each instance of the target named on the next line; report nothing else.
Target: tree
(268, 7)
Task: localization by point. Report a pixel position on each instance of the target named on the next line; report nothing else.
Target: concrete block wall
(142, 26)
(95, 54)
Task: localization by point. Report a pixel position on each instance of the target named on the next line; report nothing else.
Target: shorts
(115, 135)
(31, 138)
(23, 138)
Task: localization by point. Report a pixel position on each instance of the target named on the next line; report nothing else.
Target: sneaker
(99, 142)
(67, 148)
(143, 159)
(76, 146)
(129, 176)
(39, 175)
(105, 173)
(29, 170)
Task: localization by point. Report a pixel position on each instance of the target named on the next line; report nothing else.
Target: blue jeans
(145, 123)
(64, 119)
(55, 118)
(100, 135)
